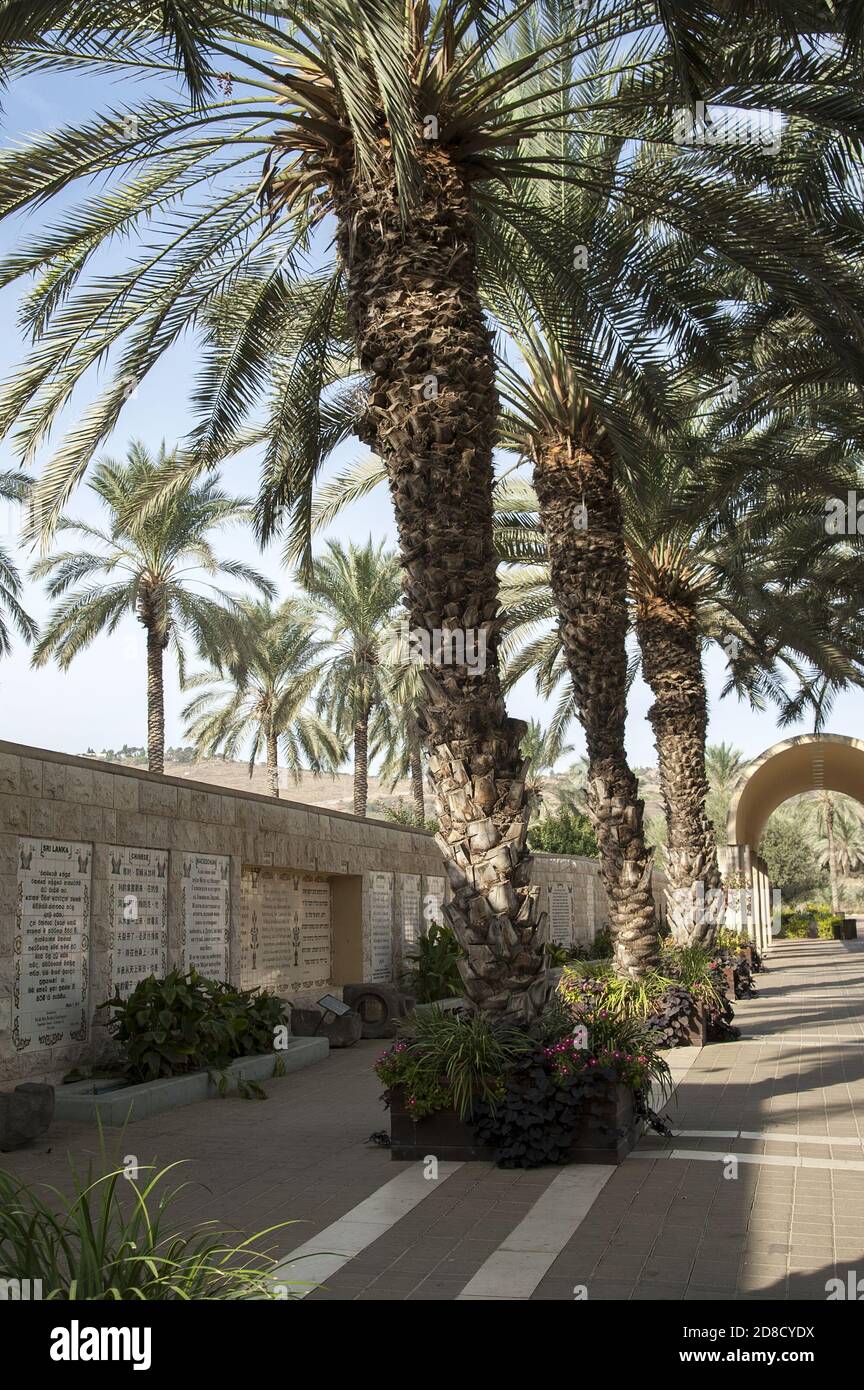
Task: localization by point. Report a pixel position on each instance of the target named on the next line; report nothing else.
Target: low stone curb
(116, 1104)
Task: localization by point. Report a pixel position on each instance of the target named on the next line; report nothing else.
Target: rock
(379, 1006)
(311, 1021)
(25, 1113)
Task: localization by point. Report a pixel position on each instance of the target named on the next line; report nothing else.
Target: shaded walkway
(666, 1224)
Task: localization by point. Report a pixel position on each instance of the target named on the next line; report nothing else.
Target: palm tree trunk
(421, 335)
(672, 666)
(361, 764)
(832, 852)
(155, 702)
(273, 762)
(415, 762)
(581, 515)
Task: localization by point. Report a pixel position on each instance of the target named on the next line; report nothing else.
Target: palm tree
(157, 566)
(14, 487)
(724, 764)
(354, 592)
(541, 749)
(411, 125)
(840, 839)
(395, 735)
(263, 700)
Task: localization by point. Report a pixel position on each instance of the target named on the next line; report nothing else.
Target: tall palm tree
(840, 839)
(264, 699)
(723, 764)
(541, 749)
(14, 487)
(354, 591)
(395, 736)
(158, 566)
(410, 124)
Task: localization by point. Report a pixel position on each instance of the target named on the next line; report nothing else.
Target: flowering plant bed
(570, 1088)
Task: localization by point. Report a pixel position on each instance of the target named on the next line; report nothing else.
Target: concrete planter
(607, 1132)
(115, 1103)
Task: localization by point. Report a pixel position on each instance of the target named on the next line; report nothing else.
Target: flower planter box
(697, 1035)
(729, 977)
(607, 1132)
(746, 952)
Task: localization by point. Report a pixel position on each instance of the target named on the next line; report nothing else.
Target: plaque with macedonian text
(206, 913)
(51, 943)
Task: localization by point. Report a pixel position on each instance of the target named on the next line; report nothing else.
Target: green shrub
(186, 1023)
(433, 969)
(113, 1239)
(808, 920)
(601, 947)
(453, 1058)
(693, 967)
(564, 832)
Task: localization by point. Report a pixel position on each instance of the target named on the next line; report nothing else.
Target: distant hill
(331, 793)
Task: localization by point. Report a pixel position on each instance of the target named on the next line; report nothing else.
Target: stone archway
(810, 762)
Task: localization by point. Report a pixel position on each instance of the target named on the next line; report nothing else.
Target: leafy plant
(433, 971)
(545, 1092)
(114, 1239)
(186, 1023)
(623, 995)
(811, 919)
(565, 831)
(671, 1015)
(452, 1058)
(601, 947)
(694, 967)
(535, 1120)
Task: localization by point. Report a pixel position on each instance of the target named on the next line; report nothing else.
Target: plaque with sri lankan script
(50, 949)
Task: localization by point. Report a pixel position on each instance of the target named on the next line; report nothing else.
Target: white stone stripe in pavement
(772, 1136)
(522, 1259)
(850, 1165)
(317, 1260)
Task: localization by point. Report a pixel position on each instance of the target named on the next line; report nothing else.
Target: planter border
(116, 1104)
(452, 1140)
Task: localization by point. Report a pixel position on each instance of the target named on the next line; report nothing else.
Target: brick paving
(663, 1226)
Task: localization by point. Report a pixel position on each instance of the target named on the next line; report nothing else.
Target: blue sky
(100, 701)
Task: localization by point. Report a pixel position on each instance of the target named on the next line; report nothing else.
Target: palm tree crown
(354, 591)
(263, 702)
(159, 566)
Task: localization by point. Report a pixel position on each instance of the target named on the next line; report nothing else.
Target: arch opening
(808, 763)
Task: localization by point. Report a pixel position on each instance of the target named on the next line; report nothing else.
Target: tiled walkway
(759, 1194)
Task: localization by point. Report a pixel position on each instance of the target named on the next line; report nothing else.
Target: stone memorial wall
(108, 873)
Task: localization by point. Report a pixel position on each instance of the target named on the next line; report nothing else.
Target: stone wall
(131, 872)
